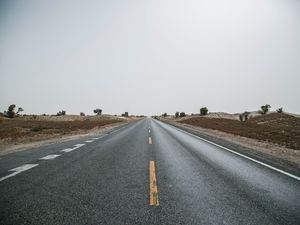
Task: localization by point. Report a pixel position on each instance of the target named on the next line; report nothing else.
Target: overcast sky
(149, 57)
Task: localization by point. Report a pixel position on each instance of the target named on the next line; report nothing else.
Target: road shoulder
(277, 156)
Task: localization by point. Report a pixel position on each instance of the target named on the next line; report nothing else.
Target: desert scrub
(37, 129)
(9, 132)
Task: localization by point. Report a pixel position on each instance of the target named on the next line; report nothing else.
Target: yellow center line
(150, 141)
(153, 187)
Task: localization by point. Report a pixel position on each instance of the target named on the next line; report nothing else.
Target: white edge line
(80, 145)
(116, 130)
(244, 156)
(18, 170)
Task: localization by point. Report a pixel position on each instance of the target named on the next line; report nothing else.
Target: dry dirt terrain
(22, 131)
(277, 128)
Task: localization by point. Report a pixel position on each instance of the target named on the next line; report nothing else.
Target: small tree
(265, 108)
(244, 116)
(182, 114)
(126, 114)
(241, 117)
(20, 110)
(82, 114)
(165, 115)
(203, 111)
(98, 111)
(279, 110)
(61, 113)
(11, 111)
(177, 114)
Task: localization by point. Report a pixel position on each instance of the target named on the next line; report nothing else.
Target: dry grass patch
(15, 129)
(276, 128)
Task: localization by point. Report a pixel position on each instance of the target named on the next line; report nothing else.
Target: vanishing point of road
(145, 172)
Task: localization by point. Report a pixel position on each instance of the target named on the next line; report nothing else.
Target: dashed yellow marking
(150, 141)
(153, 187)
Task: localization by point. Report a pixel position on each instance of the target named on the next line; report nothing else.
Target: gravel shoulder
(281, 157)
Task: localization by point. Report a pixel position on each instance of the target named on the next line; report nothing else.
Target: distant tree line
(11, 112)
(203, 112)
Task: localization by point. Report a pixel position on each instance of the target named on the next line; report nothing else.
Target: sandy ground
(274, 150)
(6, 148)
(217, 115)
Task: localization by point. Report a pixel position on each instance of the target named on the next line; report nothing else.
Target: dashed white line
(150, 141)
(49, 157)
(25, 167)
(18, 170)
(72, 149)
(113, 132)
(67, 150)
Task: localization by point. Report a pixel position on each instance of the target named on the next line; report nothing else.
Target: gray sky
(149, 57)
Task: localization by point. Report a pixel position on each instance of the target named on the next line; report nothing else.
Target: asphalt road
(147, 172)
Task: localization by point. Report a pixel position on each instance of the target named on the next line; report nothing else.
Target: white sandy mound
(223, 115)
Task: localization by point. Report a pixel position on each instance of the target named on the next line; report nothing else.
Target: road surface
(146, 172)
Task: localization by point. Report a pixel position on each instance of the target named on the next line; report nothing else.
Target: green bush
(203, 111)
(265, 108)
(61, 113)
(11, 111)
(98, 111)
(37, 129)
